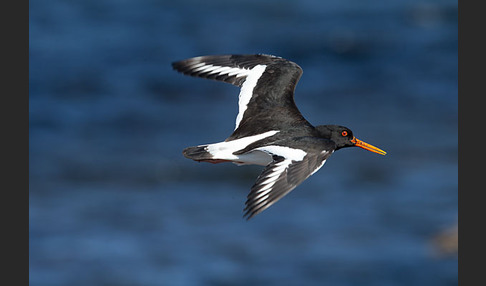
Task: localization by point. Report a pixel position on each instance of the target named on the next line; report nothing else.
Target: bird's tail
(197, 153)
(201, 154)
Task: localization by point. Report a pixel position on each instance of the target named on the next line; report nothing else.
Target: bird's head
(343, 137)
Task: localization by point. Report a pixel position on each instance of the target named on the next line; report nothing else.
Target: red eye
(344, 133)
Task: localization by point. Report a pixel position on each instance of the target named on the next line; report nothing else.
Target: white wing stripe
(246, 91)
(258, 200)
(204, 68)
(269, 180)
(221, 70)
(272, 178)
(197, 65)
(238, 72)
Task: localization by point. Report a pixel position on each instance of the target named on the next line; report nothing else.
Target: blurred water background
(114, 202)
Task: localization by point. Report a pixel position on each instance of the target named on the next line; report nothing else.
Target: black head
(343, 137)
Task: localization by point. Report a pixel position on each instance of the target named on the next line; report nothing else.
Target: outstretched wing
(282, 176)
(233, 69)
(266, 84)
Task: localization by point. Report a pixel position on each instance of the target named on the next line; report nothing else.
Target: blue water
(114, 202)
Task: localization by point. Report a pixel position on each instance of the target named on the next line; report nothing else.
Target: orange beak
(367, 146)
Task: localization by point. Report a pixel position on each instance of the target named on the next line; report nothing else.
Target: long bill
(366, 146)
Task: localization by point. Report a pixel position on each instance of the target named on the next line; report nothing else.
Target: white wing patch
(246, 91)
(220, 70)
(289, 169)
(290, 154)
(270, 180)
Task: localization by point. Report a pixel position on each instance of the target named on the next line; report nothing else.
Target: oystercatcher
(269, 130)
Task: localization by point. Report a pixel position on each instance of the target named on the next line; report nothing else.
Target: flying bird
(269, 129)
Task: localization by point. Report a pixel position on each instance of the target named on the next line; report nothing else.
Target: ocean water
(114, 202)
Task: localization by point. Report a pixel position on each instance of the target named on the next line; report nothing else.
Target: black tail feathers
(197, 153)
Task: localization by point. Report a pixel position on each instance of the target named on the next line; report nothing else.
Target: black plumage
(270, 130)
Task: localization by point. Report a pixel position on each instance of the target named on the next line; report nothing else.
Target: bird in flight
(269, 130)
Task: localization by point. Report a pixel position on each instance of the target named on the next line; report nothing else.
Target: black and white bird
(269, 130)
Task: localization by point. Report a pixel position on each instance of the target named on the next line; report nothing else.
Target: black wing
(232, 69)
(279, 178)
(267, 83)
